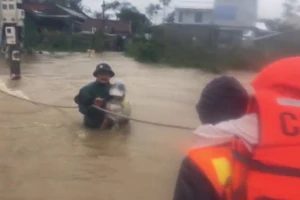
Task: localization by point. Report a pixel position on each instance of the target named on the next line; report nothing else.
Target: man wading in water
(95, 94)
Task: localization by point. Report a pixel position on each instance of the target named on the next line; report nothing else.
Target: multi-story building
(232, 13)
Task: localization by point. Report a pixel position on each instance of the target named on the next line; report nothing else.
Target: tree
(165, 3)
(171, 17)
(290, 8)
(152, 10)
(76, 5)
(99, 15)
(139, 21)
(272, 24)
(114, 5)
(111, 6)
(278, 25)
(290, 16)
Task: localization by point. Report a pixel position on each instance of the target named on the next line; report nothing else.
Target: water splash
(17, 93)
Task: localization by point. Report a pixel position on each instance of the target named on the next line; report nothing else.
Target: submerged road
(45, 153)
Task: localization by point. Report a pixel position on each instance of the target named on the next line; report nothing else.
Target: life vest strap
(266, 168)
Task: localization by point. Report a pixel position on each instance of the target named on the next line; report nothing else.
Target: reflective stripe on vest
(279, 118)
(215, 163)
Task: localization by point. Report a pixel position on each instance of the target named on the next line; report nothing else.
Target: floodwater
(45, 153)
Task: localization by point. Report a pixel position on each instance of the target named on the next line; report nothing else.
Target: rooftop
(41, 9)
(72, 12)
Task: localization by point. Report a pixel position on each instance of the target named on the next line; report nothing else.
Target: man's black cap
(103, 68)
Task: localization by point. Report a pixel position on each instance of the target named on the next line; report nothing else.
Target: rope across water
(104, 110)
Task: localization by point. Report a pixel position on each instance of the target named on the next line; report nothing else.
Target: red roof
(117, 25)
(34, 6)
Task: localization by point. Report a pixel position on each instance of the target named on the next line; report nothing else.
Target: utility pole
(12, 17)
(103, 9)
(103, 16)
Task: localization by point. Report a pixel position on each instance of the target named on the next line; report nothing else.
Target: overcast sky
(267, 8)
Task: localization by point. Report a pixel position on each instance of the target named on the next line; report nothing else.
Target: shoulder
(193, 184)
(245, 128)
(249, 122)
(88, 86)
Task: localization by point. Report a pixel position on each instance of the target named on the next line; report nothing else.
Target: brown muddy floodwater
(45, 153)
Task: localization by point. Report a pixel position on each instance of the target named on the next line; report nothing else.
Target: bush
(185, 53)
(97, 42)
(31, 36)
(61, 41)
(147, 51)
(175, 54)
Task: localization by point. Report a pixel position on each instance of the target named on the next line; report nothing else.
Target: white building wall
(236, 13)
(10, 13)
(188, 16)
(245, 12)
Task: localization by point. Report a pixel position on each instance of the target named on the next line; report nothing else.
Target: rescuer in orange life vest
(255, 157)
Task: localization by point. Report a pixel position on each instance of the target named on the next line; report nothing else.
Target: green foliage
(165, 2)
(152, 10)
(193, 55)
(139, 21)
(98, 41)
(290, 8)
(179, 55)
(145, 51)
(170, 17)
(31, 36)
(278, 25)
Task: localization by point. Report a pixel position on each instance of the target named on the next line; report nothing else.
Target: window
(180, 16)
(19, 6)
(198, 17)
(8, 30)
(11, 6)
(4, 6)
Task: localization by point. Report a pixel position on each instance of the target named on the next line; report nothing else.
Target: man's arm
(192, 184)
(84, 100)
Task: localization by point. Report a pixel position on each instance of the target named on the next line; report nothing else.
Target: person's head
(103, 73)
(222, 99)
(118, 90)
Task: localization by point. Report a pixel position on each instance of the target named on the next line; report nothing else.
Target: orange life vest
(215, 163)
(218, 164)
(272, 170)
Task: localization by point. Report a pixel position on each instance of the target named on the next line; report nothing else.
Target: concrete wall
(188, 16)
(235, 13)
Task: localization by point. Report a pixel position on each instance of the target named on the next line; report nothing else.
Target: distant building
(228, 13)
(187, 15)
(119, 27)
(54, 17)
(11, 12)
(234, 20)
